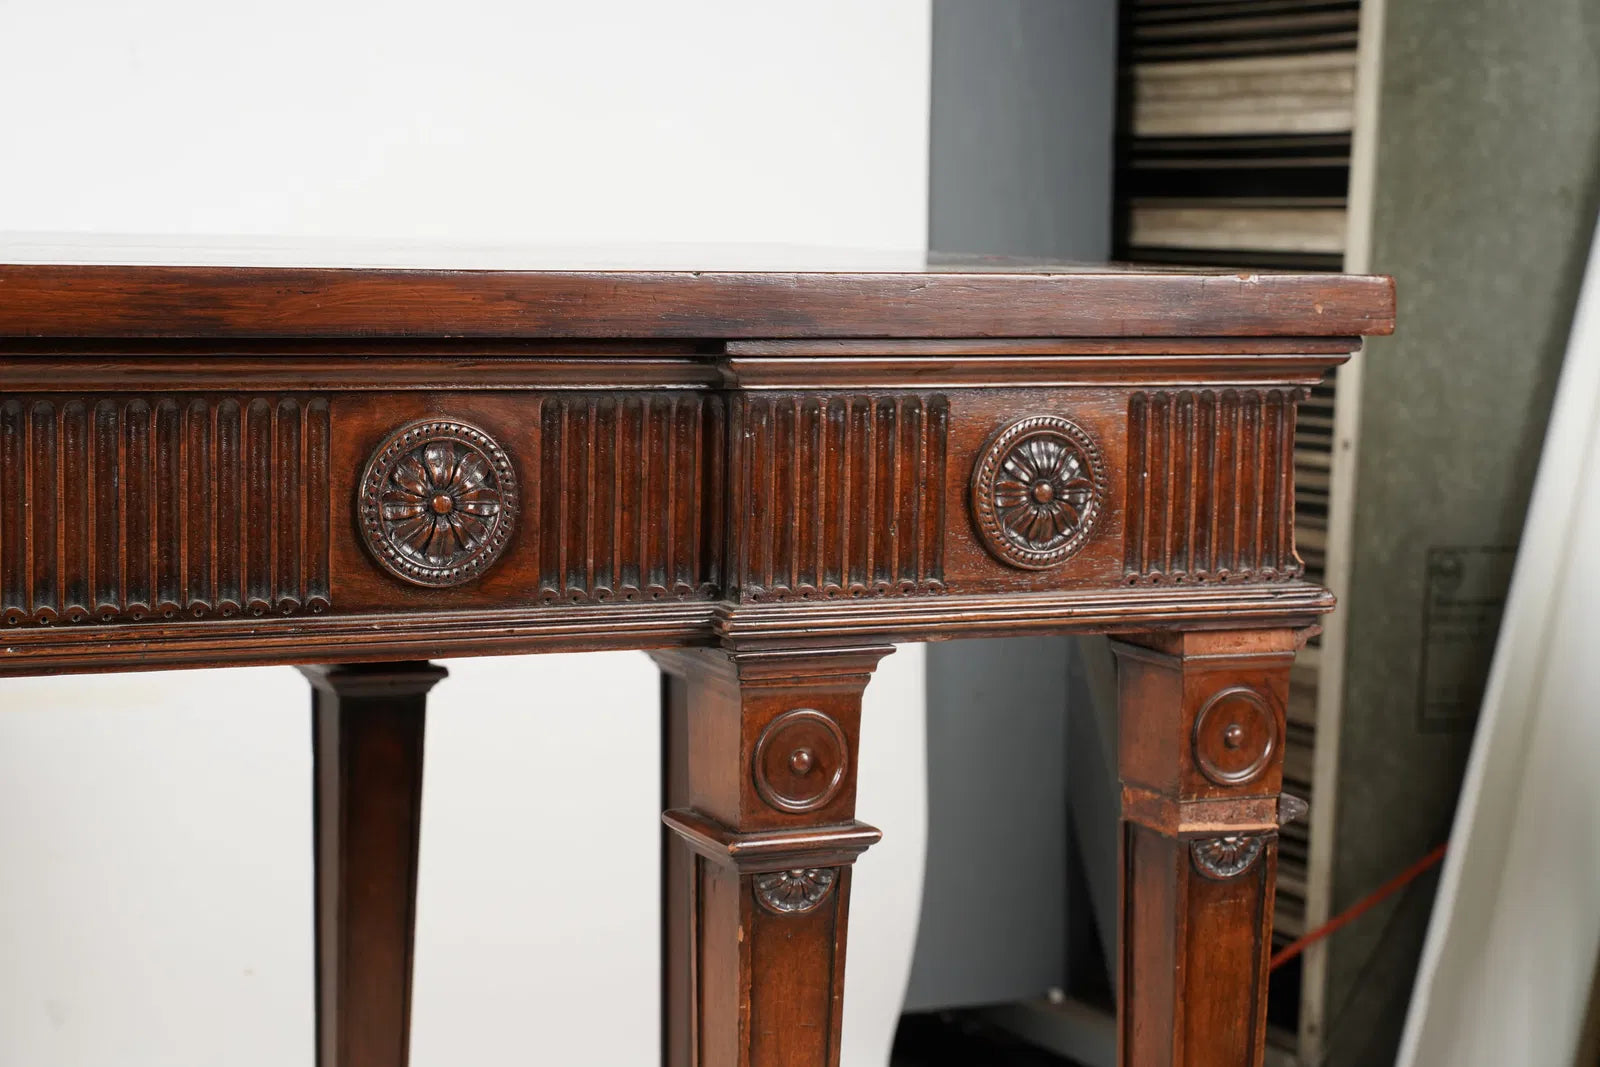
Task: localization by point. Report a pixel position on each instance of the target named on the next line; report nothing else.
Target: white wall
(477, 120)
(1508, 968)
(155, 830)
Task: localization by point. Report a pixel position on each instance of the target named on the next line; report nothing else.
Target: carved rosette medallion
(1226, 857)
(1235, 735)
(800, 760)
(1037, 490)
(796, 891)
(437, 503)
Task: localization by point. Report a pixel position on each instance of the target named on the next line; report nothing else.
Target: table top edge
(55, 301)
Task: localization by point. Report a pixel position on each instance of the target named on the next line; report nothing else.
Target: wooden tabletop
(58, 290)
(764, 468)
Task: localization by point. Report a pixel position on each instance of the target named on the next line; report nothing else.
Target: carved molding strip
(846, 496)
(1037, 490)
(1211, 486)
(438, 501)
(794, 892)
(1226, 857)
(137, 508)
(627, 497)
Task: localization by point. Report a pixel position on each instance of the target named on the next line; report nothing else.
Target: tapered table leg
(677, 867)
(1201, 759)
(761, 772)
(367, 740)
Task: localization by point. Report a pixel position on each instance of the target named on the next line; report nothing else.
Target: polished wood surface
(766, 478)
(1200, 749)
(63, 300)
(769, 828)
(367, 729)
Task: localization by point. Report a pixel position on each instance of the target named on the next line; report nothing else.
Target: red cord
(1360, 907)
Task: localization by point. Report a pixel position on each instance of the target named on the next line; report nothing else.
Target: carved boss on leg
(761, 776)
(1201, 755)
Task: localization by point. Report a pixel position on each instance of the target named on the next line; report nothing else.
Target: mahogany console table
(763, 478)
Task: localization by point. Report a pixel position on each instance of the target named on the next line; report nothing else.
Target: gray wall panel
(1487, 185)
(1023, 99)
(1020, 147)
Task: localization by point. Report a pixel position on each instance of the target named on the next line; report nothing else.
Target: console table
(765, 479)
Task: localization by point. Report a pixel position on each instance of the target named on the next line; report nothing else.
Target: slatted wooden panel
(130, 508)
(620, 501)
(846, 496)
(1229, 454)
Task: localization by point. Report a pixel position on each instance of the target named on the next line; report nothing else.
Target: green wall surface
(1487, 187)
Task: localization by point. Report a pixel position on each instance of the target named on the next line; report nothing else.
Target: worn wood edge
(229, 302)
(771, 850)
(110, 373)
(442, 347)
(374, 679)
(1175, 817)
(480, 350)
(350, 639)
(736, 664)
(1186, 370)
(1015, 347)
(346, 374)
(562, 628)
(1126, 610)
(1124, 649)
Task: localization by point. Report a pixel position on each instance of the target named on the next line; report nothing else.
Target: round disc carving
(1235, 735)
(1037, 490)
(800, 760)
(437, 502)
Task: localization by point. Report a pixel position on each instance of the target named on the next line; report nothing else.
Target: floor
(954, 1040)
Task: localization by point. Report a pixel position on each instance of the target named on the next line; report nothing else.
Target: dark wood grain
(168, 506)
(1201, 761)
(222, 302)
(211, 507)
(679, 878)
(840, 496)
(765, 477)
(484, 632)
(367, 742)
(758, 900)
(1211, 486)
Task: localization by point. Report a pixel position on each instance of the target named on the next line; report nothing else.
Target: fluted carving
(845, 494)
(162, 507)
(627, 496)
(1211, 486)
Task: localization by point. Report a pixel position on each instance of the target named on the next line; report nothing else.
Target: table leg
(761, 783)
(1201, 762)
(367, 739)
